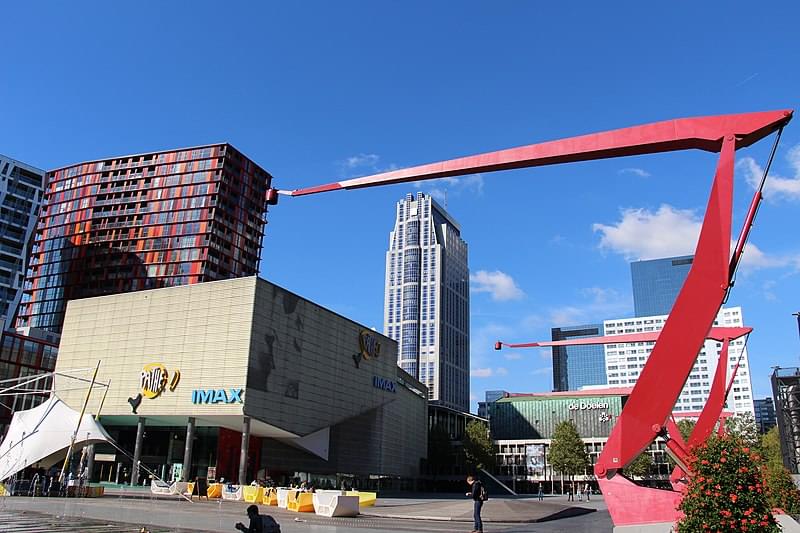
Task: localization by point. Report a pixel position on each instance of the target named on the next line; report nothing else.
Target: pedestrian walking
(478, 495)
(579, 491)
(570, 496)
(588, 491)
(541, 493)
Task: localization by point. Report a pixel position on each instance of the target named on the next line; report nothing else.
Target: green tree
(567, 451)
(771, 447)
(726, 491)
(440, 450)
(782, 491)
(640, 467)
(686, 426)
(743, 427)
(478, 447)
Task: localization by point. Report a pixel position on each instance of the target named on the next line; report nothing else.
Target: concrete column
(89, 462)
(187, 452)
(243, 455)
(137, 451)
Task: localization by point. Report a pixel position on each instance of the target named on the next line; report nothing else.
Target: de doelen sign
(587, 406)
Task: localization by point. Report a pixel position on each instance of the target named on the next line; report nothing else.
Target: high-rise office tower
(624, 362)
(578, 366)
(426, 302)
(21, 188)
(765, 414)
(657, 282)
(144, 221)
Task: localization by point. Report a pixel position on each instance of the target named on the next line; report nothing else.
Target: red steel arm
(650, 404)
(692, 316)
(701, 133)
(718, 334)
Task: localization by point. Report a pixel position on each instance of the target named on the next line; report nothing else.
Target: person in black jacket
(256, 524)
(477, 498)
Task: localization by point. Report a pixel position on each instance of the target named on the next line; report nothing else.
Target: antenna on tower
(445, 199)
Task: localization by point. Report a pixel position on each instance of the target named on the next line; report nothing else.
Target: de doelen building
(203, 375)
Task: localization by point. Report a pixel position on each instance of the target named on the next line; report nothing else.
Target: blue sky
(319, 91)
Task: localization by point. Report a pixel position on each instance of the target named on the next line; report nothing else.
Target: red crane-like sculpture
(647, 414)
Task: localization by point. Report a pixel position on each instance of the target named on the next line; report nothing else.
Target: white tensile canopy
(41, 436)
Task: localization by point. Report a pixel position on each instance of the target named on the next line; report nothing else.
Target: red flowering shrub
(727, 491)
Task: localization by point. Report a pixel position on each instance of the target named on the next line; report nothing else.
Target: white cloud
(642, 173)
(542, 371)
(499, 284)
(777, 186)
(600, 295)
(361, 160)
(599, 303)
(481, 372)
(501, 371)
(567, 315)
(441, 188)
(513, 356)
(643, 234)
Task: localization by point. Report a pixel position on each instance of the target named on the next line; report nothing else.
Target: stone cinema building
(203, 375)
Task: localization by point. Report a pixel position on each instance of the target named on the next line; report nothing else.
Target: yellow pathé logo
(370, 347)
(154, 379)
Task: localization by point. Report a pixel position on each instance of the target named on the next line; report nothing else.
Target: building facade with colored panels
(318, 395)
(144, 221)
(23, 356)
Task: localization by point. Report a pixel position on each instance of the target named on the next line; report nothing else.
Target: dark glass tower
(578, 366)
(657, 282)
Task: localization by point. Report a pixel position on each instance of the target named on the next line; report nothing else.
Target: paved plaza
(117, 514)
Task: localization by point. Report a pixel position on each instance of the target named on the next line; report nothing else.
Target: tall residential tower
(426, 302)
(625, 361)
(144, 221)
(21, 188)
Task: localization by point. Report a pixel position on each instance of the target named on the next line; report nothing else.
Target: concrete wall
(201, 330)
(303, 377)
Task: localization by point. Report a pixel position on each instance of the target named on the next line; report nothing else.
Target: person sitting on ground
(258, 523)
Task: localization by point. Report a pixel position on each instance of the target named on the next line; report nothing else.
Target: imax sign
(384, 384)
(217, 396)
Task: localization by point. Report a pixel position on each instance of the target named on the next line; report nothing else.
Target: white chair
(334, 503)
(283, 497)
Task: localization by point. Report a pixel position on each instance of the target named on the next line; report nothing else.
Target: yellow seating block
(253, 494)
(3, 491)
(270, 497)
(365, 499)
(300, 502)
(214, 490)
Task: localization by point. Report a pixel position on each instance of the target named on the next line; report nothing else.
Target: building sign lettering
(383, 384)
(154, 380)
(369, 347)
(587, 406)
(217, 396)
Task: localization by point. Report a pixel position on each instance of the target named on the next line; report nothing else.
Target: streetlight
(798, 320)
